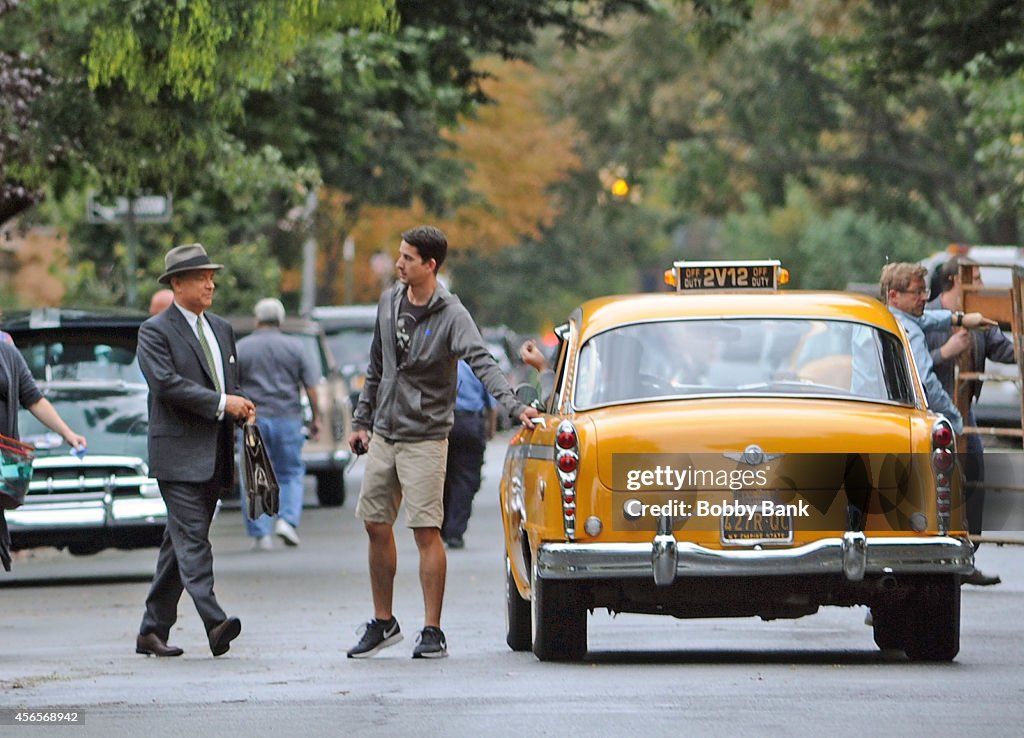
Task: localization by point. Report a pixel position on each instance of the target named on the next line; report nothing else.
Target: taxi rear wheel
(888, 627)
(559, 620)
(518, 628)
(932, 619)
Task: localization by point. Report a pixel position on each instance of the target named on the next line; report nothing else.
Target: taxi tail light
(567, 461)
(566, 439)
(943, 461)
(942, 435)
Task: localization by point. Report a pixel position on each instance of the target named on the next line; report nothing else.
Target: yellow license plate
(750, 529)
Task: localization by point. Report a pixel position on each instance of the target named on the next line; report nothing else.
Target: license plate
(750, 530)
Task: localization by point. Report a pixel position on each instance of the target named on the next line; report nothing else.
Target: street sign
(145, 209)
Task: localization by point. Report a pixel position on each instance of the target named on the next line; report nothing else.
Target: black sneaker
(430, 644)
(377, 634)
(455, 542)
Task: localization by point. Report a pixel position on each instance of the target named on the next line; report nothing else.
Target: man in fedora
(188, 358)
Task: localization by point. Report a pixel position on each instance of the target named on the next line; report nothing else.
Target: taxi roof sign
(764, 275)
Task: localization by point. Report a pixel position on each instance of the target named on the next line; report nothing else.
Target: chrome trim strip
(49, 484)
(62, 461)
(540, 452)
(896, 554)
(732, 394)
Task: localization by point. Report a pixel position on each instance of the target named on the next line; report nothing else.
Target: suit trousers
(185, 561)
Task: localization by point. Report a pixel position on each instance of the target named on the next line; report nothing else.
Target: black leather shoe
(151, 644)
(221, 635)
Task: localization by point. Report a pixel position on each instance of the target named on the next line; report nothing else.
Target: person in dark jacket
(983, 344)
(18, 388)
(187, 355)
(474, 426)
(408, 403)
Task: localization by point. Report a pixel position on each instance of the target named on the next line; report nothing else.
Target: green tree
(824, 249)
(892, 106)
(138, 95)
(238, 108)
(373, 108)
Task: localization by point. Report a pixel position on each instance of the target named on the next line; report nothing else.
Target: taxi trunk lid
(824, 454)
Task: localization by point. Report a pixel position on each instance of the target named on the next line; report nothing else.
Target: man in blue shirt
(474, 426)
(275, 370)
(903, 286)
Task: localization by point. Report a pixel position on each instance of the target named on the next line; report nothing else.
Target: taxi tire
(888, 627)
(932, 619)
(518, 627)
(559, 620)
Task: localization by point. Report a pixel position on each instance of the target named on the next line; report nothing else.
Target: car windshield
(731, 356)
(80, 359)
(351, 348)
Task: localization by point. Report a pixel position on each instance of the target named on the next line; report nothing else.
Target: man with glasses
(904, 290)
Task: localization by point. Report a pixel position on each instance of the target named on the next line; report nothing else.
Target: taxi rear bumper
(852, 555)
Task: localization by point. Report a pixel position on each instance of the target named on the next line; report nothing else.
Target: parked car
(734, 449)
(349, 332)
(326, 456)
(84, 363)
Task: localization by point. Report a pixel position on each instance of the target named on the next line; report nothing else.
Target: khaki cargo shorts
(413, 471)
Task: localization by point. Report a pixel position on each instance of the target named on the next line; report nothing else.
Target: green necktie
(209, 354)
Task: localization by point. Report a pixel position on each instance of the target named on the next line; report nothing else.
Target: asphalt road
(67, 629)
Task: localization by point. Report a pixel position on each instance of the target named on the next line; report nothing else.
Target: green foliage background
(833, 134)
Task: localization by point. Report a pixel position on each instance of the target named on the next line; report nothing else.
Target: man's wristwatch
(958, 318)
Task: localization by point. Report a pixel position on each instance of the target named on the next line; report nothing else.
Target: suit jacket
(186, 441)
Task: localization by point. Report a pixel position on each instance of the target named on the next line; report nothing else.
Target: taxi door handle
(540, 421)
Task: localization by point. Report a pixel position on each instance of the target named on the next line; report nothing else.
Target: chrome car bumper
(852, 555)
(96, 513)
(318, 461)
(67, 493)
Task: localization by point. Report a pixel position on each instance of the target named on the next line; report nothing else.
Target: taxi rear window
(749, 356)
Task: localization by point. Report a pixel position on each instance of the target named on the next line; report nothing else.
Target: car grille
(65, 476)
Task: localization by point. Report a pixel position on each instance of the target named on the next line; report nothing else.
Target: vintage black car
(84, 362)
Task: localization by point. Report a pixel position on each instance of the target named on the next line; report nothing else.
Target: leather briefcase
(260, 482)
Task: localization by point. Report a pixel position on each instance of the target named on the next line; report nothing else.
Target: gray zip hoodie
(415, 400)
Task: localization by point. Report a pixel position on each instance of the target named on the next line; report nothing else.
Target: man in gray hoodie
(408, 405)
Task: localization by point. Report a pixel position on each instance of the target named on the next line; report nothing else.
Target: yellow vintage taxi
(733, 448)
